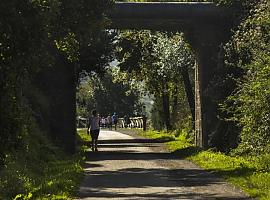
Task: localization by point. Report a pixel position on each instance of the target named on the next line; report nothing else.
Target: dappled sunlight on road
(130, 168)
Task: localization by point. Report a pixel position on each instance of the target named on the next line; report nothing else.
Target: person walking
(109, 121)
(126, 121)
(93, 128)
(115, 120)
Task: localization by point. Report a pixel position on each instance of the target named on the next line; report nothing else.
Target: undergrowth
(40, 170)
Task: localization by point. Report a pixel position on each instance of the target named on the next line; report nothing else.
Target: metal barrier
(135, 122)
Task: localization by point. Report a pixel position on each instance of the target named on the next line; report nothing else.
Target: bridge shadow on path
(121, 171)
(123, 141)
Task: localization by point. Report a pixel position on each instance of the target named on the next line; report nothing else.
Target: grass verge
(159, 136)
(42, 171)
(250, 173)
(129, 131)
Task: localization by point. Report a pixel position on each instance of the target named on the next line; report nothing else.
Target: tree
(248, 51)
(107, 96)
(43, 49)
(78, 42)
(156, 59)
(23, 52)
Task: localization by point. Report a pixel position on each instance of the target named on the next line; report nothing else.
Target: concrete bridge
(205, 26)
(166, 15)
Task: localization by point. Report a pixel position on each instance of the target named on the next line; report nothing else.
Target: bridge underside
(205, 27)
(166, 16)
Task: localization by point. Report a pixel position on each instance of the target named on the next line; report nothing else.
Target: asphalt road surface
(129, 168)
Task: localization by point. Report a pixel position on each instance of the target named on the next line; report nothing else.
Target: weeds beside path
(42, 172)
(249, 173)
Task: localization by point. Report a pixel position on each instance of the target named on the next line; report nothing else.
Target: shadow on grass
(81, 141)
(234, 173)
(165, 138)
(187, 152)
(129, 131)
(242, 171)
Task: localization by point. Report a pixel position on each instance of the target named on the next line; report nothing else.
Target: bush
(249, 106)
(39, 170)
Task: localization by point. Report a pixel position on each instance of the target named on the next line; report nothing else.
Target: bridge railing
(134, 122)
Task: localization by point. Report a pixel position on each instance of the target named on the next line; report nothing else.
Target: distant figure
(114, 120)
(126, 121)
(93, 128)
(109, 122)
(103, 122)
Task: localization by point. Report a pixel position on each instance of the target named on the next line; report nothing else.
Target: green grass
(159, 136)
(250, 173)
(42, 171)
(83, 136)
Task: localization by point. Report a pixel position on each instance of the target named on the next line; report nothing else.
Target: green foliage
(245, 172)
(153, 57)
(40, 170)
(156, 59)
(242, 7)
(242, 74)
(34, 36)
(70, 46)
(79, 34)
(107, 96)
(157, 121)
(21, 50)
(249, 105)
(85, 96)
(83, 136)
(159, 136)
(252, 108)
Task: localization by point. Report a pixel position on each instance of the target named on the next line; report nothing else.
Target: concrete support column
(198, 109)
(205, 25)
(205, 41)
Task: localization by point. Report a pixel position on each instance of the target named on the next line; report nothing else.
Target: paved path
(129, 168)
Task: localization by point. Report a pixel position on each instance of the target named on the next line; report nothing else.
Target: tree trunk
(189, 92)
(174, 106)
(58, 85)
(166, 106)
(64, 106)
